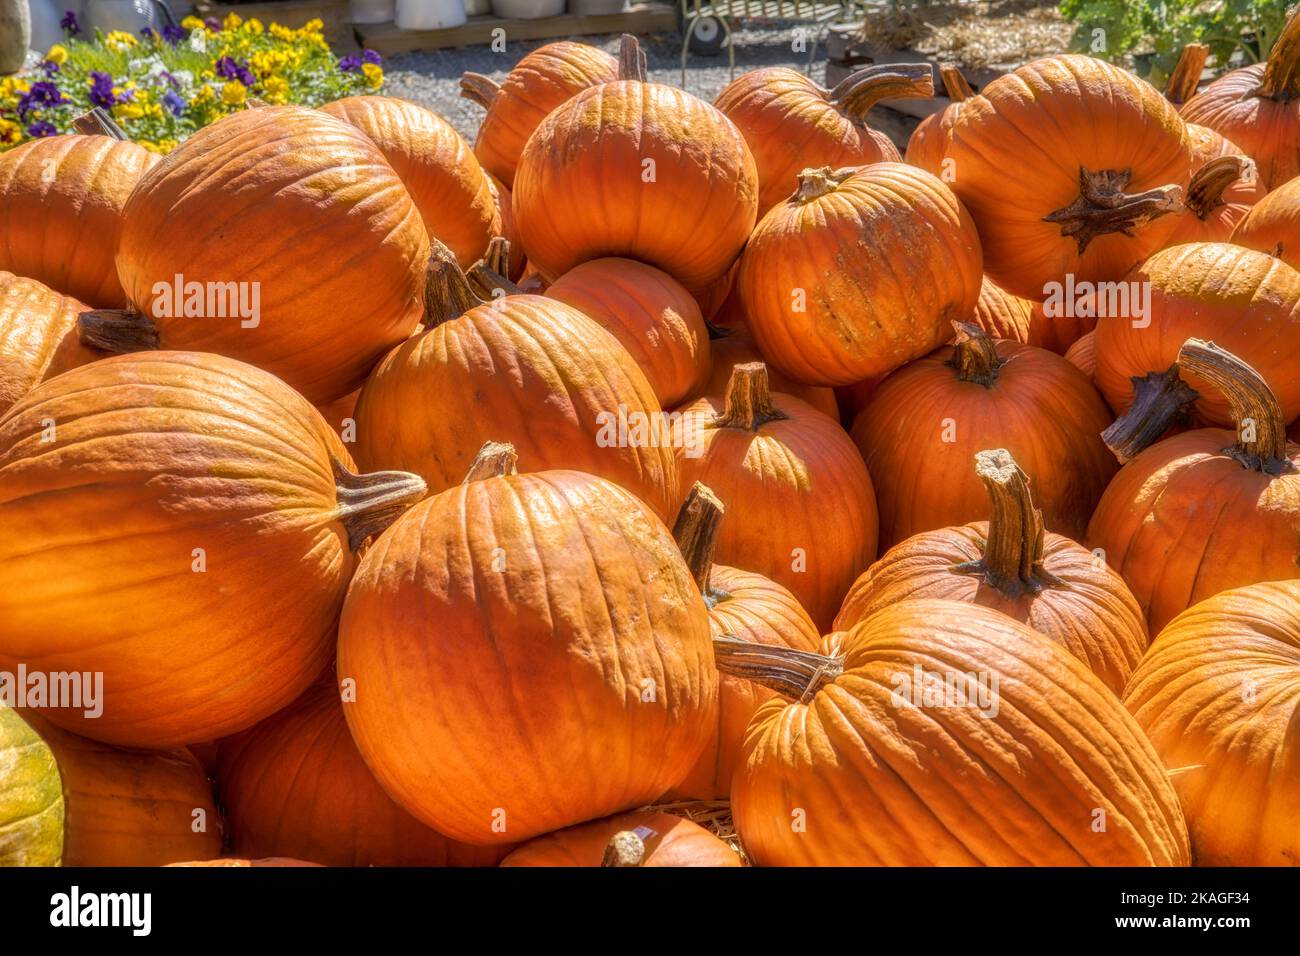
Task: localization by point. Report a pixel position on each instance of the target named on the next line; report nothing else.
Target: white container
(129, 16)
(478, 8)
(527, 9)
(46, 15)
(373, 11)
(15, 34)
(429, 14)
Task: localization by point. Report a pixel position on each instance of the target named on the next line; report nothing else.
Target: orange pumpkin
(235, 212)
(61, 212)
(737, 348)
(1083, 355)
(651, 315)
(156, 506)
(507, 641)
(859, 272)
(744, 605)
(929, 141)
(897, 749)
(1067, 165)
(450, 189)
(38, 336)
(1222, 191)
(1258, 108)
(928, 420)
(810, 514)
(1217, 694)
(791, 123)
(1011, 564)
(543, 80)
(522, 367)
(1273, 224)
(644, 838)
(678, 188)
(1001, 314)
(1209, 509)
(295, 786)
(339, 413)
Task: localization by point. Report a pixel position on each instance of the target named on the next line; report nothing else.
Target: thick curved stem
(954, 83)
(1282, 74)
(488, 276)
(696, 532)
(749, 399)
(98, 122)
(858, 93)
(117, 331)
(1103, 207)
(625, 849)
(1261, 429)
(975, 355)
(496, 459)
(631, 59)
(1205, 191)
(1187, 74)
(447, 291)
(815, 182)
(1159, 400)
(479, 89)
(367, 504)
(798, 675)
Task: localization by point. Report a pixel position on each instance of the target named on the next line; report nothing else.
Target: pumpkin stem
(631, 59)
(1261, 429)
(625, 849)
(495, 459)
(1205, 192)
(447, 291)
(749, 399)
(479, 89)
(975, 355)
(1103, 207)
(98, 123)
(1159, 400)
(954, 83)
(488, 276)
(1282, 74)
(1187, 74)
(117, 331)
(820, 181)
(1012, 560)
(696, 532)
(370, 503)
(857, 93)
(798, 675)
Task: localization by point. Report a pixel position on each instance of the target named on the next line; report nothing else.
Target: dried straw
(990, 33)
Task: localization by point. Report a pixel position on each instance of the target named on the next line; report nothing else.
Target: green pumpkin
(31, 796)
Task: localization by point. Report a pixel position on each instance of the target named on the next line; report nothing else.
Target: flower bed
(161, 87)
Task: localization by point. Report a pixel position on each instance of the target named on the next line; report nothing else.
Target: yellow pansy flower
(234, 93)
(58, 54)
(282, 33)
(253, 26)
(232, 21)
(275, 90)
(373, 74)
(119, 40)
(128, 111)
(10, 132)
(192, 23)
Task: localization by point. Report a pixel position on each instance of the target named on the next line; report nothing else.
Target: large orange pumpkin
(529, 369)
(61, 209)
(1209, 509)
(897, 749)
(1258, 108)
(296, 245)
(295, 786)
(1064, 164)
(744, 605)
(651, 315)
(737, 348)
(541, 81)
(809, 512)
(529, 652)
(1011, 564)
(929, 419)
(645, 838)
(38, 336)
(184, 524)
(449, 188)
(1273, 224)
(678, 188)
(861, 271)
(1218, 695)
(791, 123)
(928, 144)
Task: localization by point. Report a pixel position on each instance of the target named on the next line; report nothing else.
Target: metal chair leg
(687, 30)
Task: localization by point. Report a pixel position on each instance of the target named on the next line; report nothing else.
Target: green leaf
(31, 796)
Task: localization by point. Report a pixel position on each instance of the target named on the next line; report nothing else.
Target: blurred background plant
(161, 87)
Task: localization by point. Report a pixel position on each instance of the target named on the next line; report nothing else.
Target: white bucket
(373, 11)
(429, 14)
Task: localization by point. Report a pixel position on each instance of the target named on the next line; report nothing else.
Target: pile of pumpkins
(653, 454)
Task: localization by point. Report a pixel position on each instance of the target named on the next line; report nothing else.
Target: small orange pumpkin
(38, 336)
(1273, 224)
(928, 143)
(1082, 354)
(737, 348)
(645, 838)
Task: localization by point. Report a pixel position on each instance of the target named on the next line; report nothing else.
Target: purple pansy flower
(371, 56)
(50, 67)
(349, 64)
(229, 69)
(101, 89)
(213, 24)
(174, 102)
(69, 23)
(42, 128)
(40, 95)
(174, 34)
(148, 33)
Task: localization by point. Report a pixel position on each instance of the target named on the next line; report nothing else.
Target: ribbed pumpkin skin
(669, 841)
(887, 260)
(928, 144)
(1183, 521)
(748, 606)
(1057, 333)
(524, 369)
(885, 784)
(254, 197)
(526, 691)
(1093, 615)
(1218, 694)
(436, 165)
(651, 315)
(1264, 128)
(1001, 314)
(540, 82)
(1017, 149)
(1083, 354)
(1273, 224)
(131, 807)
(38, 336)
(61, 202)
(296, 786)
(801, 485)
(738, 349)
(691, 220)
(32, 810)
(156, 455)
(1236, 200)
(509, 230)
(790, 124)
(1243, 301)
(1040, 408)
